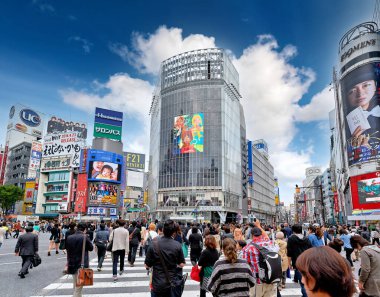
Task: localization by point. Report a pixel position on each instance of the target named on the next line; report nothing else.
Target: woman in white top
(149, 236)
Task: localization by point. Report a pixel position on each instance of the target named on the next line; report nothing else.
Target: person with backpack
(149, 236)
(297, 244)
(101, 240)
(261, 253)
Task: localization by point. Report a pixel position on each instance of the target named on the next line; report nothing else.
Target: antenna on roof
(376, 12)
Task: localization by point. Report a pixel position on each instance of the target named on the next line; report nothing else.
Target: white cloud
(319, 107)
(44, 6)
(147, 52)
(86, 45)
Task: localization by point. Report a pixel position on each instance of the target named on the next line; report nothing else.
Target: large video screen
(188, 134)
(365, 190)
(102, 194)
(360, 97)
(104, 171)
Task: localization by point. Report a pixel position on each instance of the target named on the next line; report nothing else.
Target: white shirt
(2, 233)
(120, 237)
(153, 234)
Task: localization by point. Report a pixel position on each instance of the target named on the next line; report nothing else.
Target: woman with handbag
(206, 262)
(101, 240)
(54, 239)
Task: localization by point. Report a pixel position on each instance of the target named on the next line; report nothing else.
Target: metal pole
(323, 205)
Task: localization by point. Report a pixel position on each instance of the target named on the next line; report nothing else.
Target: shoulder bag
(131, 235)
(175, 290)
(85, 275)
(110, 244)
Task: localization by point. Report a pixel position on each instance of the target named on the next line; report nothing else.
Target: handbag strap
(83, 249)
(156, 244)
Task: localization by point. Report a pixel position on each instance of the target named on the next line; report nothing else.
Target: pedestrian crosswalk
(133, 283)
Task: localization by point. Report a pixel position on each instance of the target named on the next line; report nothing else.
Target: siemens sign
(30, 117)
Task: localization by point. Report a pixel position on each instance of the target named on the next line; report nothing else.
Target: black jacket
(296, 247)
(196, 241)
(74, 245)
(208, 258)
(172, 255)
(136, 237)
(27, 244)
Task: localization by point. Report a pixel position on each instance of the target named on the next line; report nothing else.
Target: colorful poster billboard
(81, 193)
(360, 98)
(35, 159)
(104, 166)
(134, 161)
(29, 191)
(188, 133)
(65, 144)
(57, 125)
(108, 117)
(107, 131)
(25, 120)
(103, 194)
(365, 191)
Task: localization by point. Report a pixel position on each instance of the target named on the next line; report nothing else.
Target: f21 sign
(65, 144)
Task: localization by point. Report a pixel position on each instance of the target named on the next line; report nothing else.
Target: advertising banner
(360, 98)
(63, 145)
(59, 163)
(35, 159)
(83, 160)
(104, 166)
(29, 192)
(96, 211)
(108, 117)
(25, 120)
(62, 206)
(336, 202)
(188, 134)
(103, 194)
(365, 191)
(107, 131)
(82, 193)
(57, 125)
(134, 161)
(250, 163)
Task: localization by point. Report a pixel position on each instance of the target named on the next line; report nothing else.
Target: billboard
(103, 194)
(104, 166)
(59, 163)
(65, 144)
(365, 191)
(134, 161)
(107, 131)
(108, 117)
(35, 159)
(29, 191)
(81, 193)
(188, 134)
(25, 120)
(57, 125)
(360, 98)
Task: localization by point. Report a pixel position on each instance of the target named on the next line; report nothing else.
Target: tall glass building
(197, 168)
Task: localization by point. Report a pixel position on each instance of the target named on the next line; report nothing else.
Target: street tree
(9, 195)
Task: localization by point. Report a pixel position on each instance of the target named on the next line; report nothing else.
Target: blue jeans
(116, 255)
(298, 276)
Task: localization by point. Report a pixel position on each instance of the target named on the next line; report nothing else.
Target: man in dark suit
(26, 247)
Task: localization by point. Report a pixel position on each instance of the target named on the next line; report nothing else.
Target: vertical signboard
(82, 193)
(35, 159)
(108, 124)
(250, 163)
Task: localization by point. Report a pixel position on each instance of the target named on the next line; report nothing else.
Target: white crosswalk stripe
(133, 283)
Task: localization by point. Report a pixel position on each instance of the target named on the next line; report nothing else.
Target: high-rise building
(197, 162)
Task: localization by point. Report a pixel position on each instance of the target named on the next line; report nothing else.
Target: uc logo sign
(30, 117)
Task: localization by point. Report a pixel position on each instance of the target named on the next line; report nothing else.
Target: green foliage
(9, 195)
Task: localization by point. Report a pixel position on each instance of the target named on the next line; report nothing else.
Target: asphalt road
(50, 269)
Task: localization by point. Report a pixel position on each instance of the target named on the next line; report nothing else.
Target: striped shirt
(232, 280)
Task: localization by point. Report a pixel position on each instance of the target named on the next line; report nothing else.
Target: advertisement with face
(103, 194)
(188, 134)
(57, 125)
(360, 96)
(104, 171)
(365, 190)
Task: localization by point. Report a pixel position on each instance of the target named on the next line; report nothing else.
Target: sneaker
(49, 254)
(121, 272)
(115, 279)
(99, 269)
(21, 275)
(131, 265)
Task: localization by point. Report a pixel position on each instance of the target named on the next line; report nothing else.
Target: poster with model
(365, 191)
(360, 96)
(188, 134)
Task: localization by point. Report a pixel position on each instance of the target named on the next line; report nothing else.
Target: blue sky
(66, 57)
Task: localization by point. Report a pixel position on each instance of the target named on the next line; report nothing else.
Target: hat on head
(256, 231)
(359, 75)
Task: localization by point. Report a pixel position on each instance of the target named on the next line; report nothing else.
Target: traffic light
(298, 190)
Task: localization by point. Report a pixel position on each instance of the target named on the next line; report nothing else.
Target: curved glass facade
(198, 142)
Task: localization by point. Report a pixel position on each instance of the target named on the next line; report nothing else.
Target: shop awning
(47, 215)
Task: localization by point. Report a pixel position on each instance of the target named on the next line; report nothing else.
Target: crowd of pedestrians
(228, 259)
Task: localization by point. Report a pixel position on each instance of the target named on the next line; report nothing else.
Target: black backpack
(270, 270)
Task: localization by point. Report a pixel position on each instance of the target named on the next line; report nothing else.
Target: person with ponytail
(231, 276)
(315, 236)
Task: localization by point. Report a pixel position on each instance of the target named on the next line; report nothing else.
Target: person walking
(369, 281)
(17, 229)
(345, 237)
(231, 276)
(196, 245)
(54, 239)
(101, 240)
(316, 236)
(26, 247)
(297, 244)
(2, 234)
(74, 248)
(134, 241)
(120, 246)
(282, 244)
(166, 257)
(149, 236)
(206, 262)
